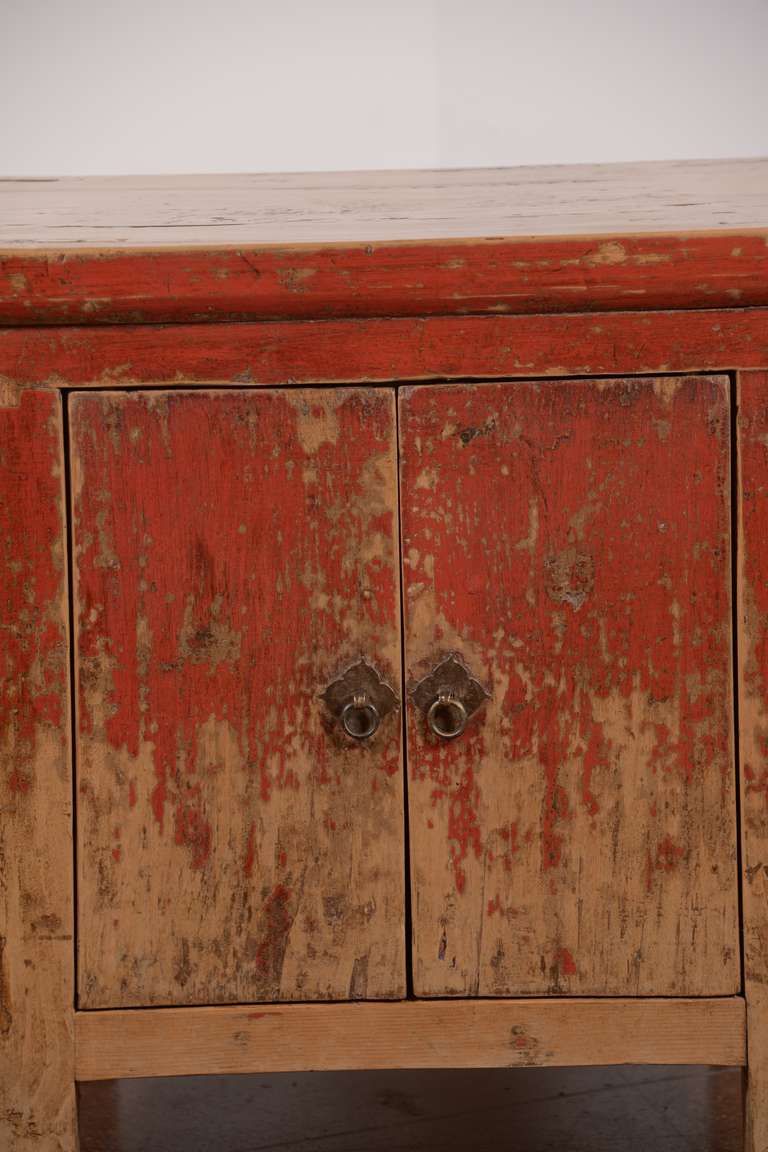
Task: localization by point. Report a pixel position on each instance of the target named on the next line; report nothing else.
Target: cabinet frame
(408, 334)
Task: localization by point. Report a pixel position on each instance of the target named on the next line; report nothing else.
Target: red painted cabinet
(383, 626)
(566, 558)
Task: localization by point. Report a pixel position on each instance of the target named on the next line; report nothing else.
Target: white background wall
(135, 86)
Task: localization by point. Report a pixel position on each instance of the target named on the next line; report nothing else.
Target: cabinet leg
(37, 989)
(44, 1122)
(756, 1119)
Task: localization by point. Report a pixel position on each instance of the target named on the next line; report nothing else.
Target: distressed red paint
(596, 755)
(756, 785)
(388, 348)
(276, 921)
(669, 854)
(33, 660)
(753, 688)
(212, 678)
(17, 782)
(460, 796)
(543, 274)
(463, 826)
(192, 829)
(159, 793)
(510, 835)
(552, 533)
(753, 447)
(565, 962)
(226, 571)
(37, 994)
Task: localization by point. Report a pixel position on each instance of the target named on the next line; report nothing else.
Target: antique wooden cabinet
(383, 626)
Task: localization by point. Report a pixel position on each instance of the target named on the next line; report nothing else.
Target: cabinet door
(235, 551)
(570, 543)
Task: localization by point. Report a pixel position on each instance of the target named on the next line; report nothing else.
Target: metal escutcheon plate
(359, 699)
(448, 697)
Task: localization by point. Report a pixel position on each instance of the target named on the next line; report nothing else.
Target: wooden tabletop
(177, 249)
(375, 207)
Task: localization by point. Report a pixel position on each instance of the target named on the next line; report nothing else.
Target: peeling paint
(565, 547)
(202, 651)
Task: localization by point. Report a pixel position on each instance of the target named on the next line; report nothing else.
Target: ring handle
(359, 700)
(448, 697)
(360, 718)
(447, 717)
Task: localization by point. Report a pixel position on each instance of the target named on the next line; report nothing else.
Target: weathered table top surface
(343, 208)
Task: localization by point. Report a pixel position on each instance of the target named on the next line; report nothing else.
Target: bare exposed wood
(571, 542)
(753, 690)
(37, 1102)
(325, 352)
(338, 207)
(412, 1034)
(235, 552)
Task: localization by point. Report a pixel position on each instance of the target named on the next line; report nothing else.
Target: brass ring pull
(449, 697)
(447, 717)
(360, 718)
(358, 700)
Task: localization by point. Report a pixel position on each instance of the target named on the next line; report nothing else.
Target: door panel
(235, 551)
(570, 541)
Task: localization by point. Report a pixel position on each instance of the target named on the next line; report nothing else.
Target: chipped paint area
(417, 347)
(234, 551)
(541, 274)
(580, 562)
(753, 454)
(33, 665)
(37, 1099)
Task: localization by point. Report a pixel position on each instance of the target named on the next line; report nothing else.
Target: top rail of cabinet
(563, 238)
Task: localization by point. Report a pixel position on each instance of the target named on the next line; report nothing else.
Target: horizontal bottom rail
(114, 1044)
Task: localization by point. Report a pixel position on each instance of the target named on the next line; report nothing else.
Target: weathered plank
(37, 1102)
(571, 541)
(620, 236)
(442, 277)
(326, 352)
(411, 1034)
(753, 743)
(339, 207)
(234, 552)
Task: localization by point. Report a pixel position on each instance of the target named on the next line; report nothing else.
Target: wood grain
(235, 551)
(753, 743)
(174, 249)
(334, 207)
(411, 1034)
(603, 273)
(571, 541)
(365, 351)
(37, 1101)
